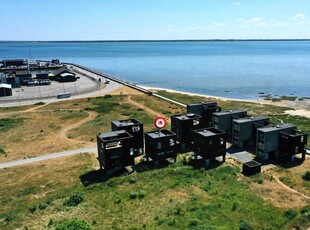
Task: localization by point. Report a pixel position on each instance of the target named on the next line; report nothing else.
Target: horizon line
(150, 40)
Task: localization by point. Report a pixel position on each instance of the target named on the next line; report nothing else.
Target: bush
(74, 224)
(290, 214)
(42, 206)
(305, 209)
(243, 225)
(133, 195)
(133, 180)
(32, 209)
(40, 103)
(306, 176)
(107, 96)
(75, 199)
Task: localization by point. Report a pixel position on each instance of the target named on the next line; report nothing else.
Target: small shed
(251, 168)
(5, 90)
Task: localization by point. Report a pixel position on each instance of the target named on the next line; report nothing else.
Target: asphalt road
(109, 87)
(46, 157)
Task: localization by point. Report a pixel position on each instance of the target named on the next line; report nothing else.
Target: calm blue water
(235, 69)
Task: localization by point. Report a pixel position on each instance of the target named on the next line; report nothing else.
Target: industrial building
(135, 129)
(293, 143)
(183, 126)
(268, 139)
(13, 63)
(5, 90)
(244, 129)
(115, 150)
(205, 110)
(160, 145)
(224, 120)
(63, 75)
(209, 143)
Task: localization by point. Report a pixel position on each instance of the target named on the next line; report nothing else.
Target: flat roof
(230, 112)
(188, 116)
(276, 127)
(250, 119)
(160, 133)
(3, 85)
(209, 132)
(127, 122)
(252, 163)
(119, 134)
(204, 103)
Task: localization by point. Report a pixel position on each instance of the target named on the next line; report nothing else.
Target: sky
(61, 20)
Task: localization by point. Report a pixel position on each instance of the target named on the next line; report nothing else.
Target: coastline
(295, 108)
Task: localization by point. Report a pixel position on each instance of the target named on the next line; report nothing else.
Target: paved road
(46, 157)
(109, 88)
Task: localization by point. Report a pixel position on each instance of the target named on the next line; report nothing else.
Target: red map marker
(160, 122)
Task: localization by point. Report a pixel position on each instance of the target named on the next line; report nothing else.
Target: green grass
(10, 123)
(175, 197)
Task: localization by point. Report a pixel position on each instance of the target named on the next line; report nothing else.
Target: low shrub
(306, 176)
(73, 224)
(290, 214)
(75, 199)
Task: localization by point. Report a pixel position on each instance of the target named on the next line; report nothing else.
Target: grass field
(44, 194)
(175, 197)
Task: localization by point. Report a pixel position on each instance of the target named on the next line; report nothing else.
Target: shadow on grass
(99, 176)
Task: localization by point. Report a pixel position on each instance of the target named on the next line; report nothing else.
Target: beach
(297, 107)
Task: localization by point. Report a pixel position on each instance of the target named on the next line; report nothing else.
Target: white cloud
(191, 28)
(216, 25)
(299, 16)
(280, 24)
(237, 3)
(263, 24)
(251, 20)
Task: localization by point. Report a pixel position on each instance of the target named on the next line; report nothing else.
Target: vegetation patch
(7, 124)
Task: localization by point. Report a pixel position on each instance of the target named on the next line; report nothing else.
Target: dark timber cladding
(183, 126)
(224, 120)
(267, 145)
(251, 168)
(243, 130)
(115, 150)
(160, 145)
(205, 110)
(209, 143)
(293, 143)
(134, 128)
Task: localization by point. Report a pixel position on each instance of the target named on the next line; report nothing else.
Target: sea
(232, 69)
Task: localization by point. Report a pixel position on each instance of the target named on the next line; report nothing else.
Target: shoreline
(295, 108)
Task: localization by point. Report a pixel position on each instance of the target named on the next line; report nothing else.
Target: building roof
(277, 127)
(160, 133)
(61, 70)
(251, 119)
(188, 116)
(3, 85)
(207, 132)
(115, 135)
(127, 122)
(230, 112)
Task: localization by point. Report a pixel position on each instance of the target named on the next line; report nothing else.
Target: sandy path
(146, 109)
(63, 132)
(299, 112)
(290, 189)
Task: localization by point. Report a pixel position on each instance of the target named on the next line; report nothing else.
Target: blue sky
(153, 19)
